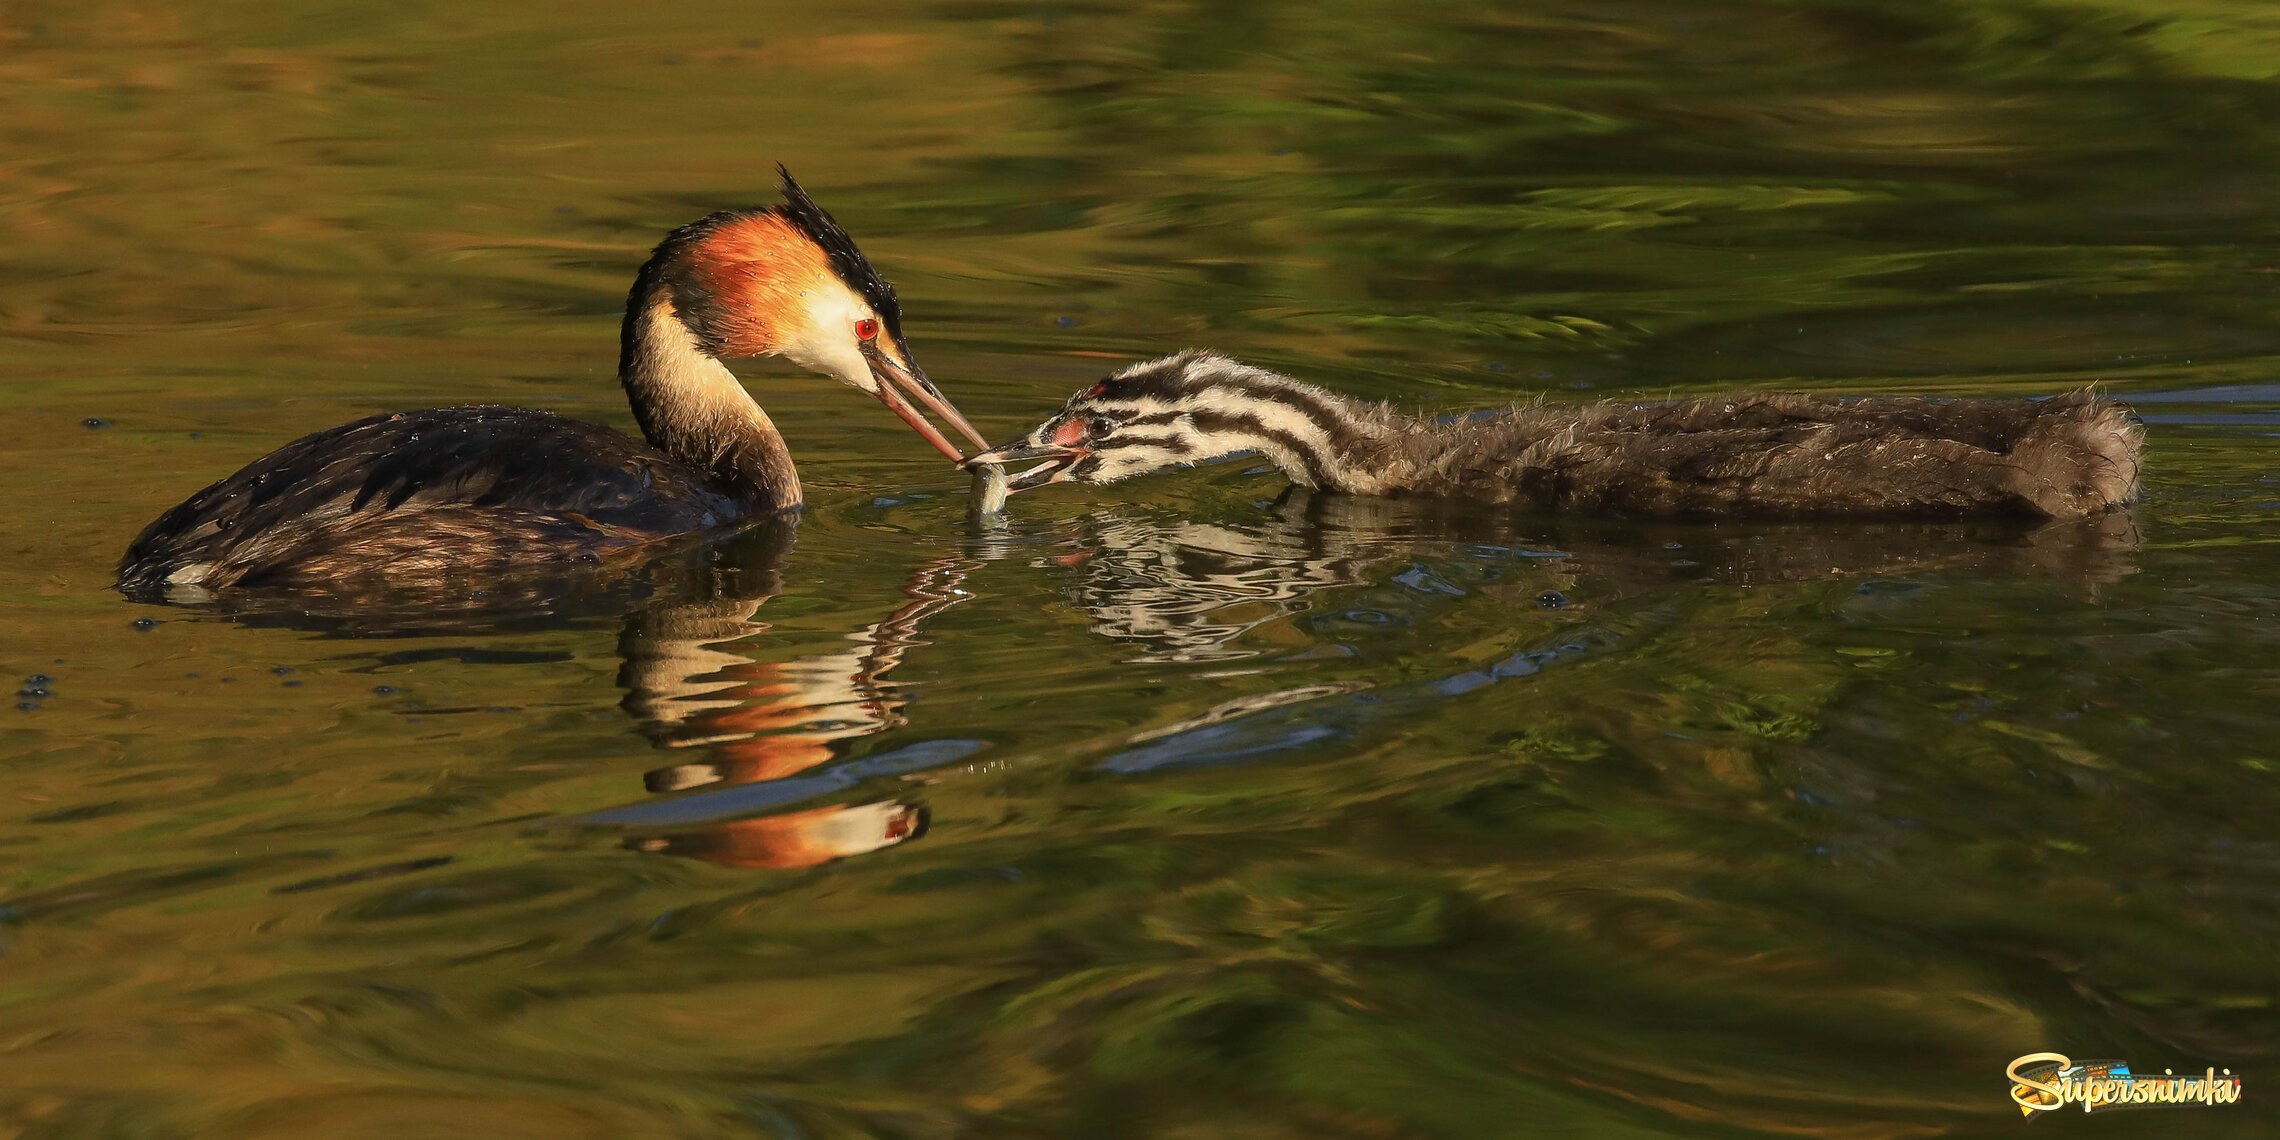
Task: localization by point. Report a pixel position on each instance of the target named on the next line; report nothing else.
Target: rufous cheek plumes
(756, 270)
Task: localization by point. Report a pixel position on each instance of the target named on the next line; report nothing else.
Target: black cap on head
(847, 262)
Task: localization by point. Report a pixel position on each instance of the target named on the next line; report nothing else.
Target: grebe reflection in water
(1283, 585)
(695, 682)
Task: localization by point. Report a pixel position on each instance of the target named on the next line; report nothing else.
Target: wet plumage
(427, 494)
(445, 494)
(1754, 454)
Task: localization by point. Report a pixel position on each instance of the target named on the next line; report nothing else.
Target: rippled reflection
(1186, 592)
(757, 722)
(773, 734)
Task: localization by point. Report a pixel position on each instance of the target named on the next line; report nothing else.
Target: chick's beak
(1021, 449)
(1060, 458)
(896, 377)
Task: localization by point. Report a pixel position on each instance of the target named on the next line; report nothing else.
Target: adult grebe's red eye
(867, 328)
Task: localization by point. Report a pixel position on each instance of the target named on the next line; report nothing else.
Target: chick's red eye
(867, 328)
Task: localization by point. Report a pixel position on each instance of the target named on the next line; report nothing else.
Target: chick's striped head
(1177, 411)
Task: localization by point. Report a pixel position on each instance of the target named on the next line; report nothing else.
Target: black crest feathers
(847, 262)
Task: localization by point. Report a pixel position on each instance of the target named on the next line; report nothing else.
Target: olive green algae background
(1274, 817)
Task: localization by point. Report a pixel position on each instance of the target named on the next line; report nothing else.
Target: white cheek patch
(1126, 462)
(827, 341)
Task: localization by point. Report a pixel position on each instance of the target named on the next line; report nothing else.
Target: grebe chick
(407, 497)
(1760, 454)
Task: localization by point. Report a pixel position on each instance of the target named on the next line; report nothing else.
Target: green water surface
(1189, 807)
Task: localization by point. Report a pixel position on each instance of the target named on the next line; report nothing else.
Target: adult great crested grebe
(447, 492)
(1759, 454)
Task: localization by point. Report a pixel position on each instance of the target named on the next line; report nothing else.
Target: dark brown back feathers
(1785, 454)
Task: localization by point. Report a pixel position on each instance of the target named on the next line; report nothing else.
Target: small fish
(989, 489)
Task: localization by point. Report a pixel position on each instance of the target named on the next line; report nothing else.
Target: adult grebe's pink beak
(895, 377)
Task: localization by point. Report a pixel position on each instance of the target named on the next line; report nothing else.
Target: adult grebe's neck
(691, 407)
